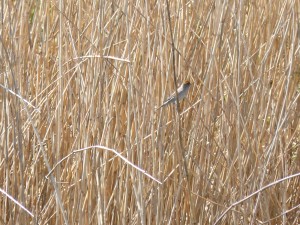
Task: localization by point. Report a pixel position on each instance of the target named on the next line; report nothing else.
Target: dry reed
(82, 144)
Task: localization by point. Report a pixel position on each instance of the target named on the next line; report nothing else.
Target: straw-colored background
(76, 74)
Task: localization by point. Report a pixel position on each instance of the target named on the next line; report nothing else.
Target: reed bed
(82, 142)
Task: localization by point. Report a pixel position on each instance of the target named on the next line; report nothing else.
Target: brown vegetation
(82, 143)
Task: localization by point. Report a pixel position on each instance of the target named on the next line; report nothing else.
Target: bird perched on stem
(181, 91)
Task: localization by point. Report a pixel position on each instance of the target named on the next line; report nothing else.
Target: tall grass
(82, 142)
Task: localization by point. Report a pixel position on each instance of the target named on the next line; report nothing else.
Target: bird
(182, 93)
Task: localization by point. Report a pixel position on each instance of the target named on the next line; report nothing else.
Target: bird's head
(186, 83)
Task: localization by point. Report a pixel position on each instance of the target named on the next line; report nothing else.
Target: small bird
(182, 92)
